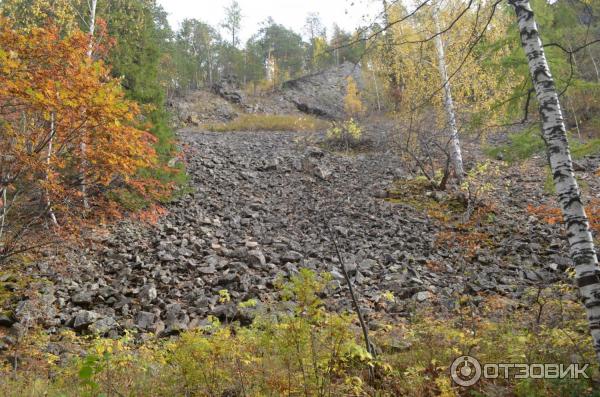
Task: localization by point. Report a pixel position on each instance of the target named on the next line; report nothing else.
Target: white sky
(348, 14)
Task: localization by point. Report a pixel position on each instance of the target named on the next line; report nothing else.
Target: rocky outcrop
(228, 88)
(201, 107)
(322, 94)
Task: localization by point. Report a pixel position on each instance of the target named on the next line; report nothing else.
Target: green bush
(347, 134)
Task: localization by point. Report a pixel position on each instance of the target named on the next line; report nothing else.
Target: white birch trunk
(83, 146)
(580, 239)
(48, 159)
(376, 88)
(4, 207)
(455, 152)
(92, 27)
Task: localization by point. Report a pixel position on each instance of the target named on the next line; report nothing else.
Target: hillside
(406, 207)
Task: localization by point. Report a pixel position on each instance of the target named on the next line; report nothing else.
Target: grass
(523, 145)
(306, 350)
(270, 122)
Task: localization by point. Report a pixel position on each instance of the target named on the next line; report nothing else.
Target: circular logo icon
(465, 371)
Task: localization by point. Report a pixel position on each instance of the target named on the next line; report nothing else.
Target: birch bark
(580, 239)
(83, 146)
(455, 152)
(48, 160)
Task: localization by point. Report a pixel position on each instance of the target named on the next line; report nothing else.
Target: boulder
(228, 89)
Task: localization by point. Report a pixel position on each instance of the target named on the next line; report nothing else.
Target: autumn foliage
(352, 102)
(53, 99)
(553, 215)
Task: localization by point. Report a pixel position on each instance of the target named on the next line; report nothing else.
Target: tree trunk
(83, 146)
(210, 69)
(376, 89)
(455, 151)
(48, 159)
(92, 26)
(4, 199)
(554, 132)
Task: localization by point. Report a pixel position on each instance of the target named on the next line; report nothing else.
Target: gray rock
(322, 93)
(256, 258)
(228, 89)
(83, 298)
(226, 312)
(165, 256)
(291, 256)
(207, 270)
(422, 296)
(32, 312)
(148, 293)
(103, 326)
(144, 320)
(322, 172)
(6, 320)
(18, 331)
(291, 269)
(337, 275)
(270, 165)
(83, 319)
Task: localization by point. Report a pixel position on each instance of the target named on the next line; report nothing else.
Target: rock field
(264, 205)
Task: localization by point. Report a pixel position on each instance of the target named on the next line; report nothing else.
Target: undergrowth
(523, 145)
(270, 122)
(301, 349)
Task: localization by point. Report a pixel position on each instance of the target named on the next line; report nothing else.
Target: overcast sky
(348, 14)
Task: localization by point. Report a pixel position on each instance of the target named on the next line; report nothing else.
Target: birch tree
(48, 167)
(454, 141)
(554, 133)
(92, 28)
(232, 22)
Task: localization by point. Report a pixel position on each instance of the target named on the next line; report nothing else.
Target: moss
(11, 283)
(419, 194)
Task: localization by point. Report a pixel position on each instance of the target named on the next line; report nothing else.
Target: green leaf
(86, 372)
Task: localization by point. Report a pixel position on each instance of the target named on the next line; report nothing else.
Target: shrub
(352, 102)
(68, 135)
(346, 134)
(299, 348)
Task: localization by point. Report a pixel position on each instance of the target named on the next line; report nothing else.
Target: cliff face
(322, 93)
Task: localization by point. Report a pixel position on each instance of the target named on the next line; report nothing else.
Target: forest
(408, 207)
